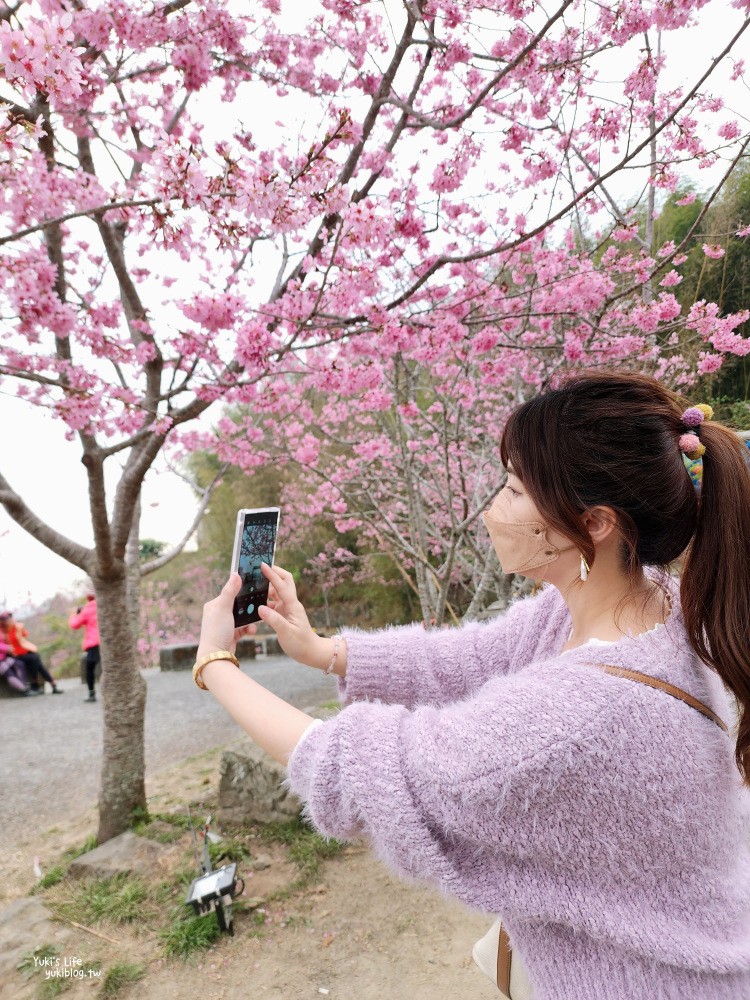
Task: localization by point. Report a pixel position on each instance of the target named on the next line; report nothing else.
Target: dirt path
(359, 934)
(50, 765)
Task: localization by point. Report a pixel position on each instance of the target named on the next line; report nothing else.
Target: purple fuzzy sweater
(603, 820)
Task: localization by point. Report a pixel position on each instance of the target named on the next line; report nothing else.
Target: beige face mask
(520, 545)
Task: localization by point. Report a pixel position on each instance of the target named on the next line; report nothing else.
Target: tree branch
(53, 540)
(78, 214)
(170, 554)
(442, 261)
(437, 126)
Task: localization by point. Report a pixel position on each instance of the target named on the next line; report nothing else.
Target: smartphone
(254, 543)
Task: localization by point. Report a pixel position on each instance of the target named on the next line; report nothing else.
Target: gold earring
(584, 569)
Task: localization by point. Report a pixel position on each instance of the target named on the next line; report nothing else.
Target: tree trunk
(123, 788)
(133, 564)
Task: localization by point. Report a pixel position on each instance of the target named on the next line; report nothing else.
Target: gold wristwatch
(221, 654)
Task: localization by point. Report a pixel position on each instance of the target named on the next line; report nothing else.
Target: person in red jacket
(86, 619)
(13, 671)
(16, 635)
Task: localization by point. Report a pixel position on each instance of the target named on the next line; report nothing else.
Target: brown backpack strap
(675, 692)
(503, 961)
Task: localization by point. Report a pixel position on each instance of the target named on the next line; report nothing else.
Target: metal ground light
(213, 890)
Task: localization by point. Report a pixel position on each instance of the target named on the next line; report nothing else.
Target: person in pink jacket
(86, 619)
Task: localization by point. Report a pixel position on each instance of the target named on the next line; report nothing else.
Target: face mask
(520, 545)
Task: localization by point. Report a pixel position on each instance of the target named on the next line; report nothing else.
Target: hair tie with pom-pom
(690, 444)
(695, 415)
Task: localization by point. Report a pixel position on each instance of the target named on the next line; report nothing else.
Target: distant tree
(149, 548)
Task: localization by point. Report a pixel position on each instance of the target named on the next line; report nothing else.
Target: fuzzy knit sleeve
(431, 788)
(411, 666)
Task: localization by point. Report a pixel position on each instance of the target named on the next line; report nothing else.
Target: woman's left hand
(217, 628)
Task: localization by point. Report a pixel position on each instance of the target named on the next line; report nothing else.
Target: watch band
(221, 654)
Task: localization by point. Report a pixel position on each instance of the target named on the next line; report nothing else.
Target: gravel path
(49, 771)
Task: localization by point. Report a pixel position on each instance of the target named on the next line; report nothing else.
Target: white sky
(45, 468)
(46, 471)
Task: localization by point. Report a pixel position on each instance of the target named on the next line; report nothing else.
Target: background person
(13, 672)
(605, 821)
(16, 635)
(86, 618)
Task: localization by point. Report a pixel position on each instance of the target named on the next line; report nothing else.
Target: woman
(604, 820)
(17, 636)
(13, 672)
(87, 618)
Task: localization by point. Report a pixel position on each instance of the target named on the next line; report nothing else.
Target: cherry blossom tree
(202, 202)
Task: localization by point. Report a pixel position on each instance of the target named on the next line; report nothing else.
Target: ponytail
(715, 586)
(605, 438)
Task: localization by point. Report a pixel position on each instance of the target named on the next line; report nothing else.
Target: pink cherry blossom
(366, 287)
(713, 251)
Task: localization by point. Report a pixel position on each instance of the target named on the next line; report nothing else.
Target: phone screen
(255, 543)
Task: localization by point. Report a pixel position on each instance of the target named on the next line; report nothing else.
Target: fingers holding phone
(288, 617)
(217, 628)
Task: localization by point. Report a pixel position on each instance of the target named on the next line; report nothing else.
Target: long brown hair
(611, 439)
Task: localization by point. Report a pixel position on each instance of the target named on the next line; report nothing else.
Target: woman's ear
(600, 523)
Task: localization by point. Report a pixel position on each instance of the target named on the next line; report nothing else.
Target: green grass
(306, 847)
(50, 878)
(180, 822)
(50, 988)
(188, 934)
(121, 975)
(121, 899)
(34, 964)
(34, 960)
(57, 873)
(228, 849)
(75, 852)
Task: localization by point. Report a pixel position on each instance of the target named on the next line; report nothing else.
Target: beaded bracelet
(332, 664)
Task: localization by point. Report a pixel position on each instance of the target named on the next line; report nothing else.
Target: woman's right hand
(288, 619)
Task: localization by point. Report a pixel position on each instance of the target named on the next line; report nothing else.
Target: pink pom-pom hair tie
(690, 444)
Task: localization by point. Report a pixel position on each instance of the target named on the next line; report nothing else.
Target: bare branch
(172, 7)
(28, 520)
(7, 14)
(170, 554)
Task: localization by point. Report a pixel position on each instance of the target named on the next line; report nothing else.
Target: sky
(46, 471)
(45, 468)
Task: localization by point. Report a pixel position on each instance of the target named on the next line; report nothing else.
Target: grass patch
(50, 988)
(39, 958)
(50, 878)
(188, 934)
(57, 873)
(306, 847)
(117, 900)
(174, 821)
(75, 852)
(228, 849)
(121, 975)
(44, 964)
